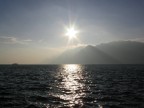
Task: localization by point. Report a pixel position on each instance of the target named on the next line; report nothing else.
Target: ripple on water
(77, 86)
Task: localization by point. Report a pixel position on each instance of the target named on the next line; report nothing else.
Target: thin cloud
(28, 40)
(13, 40)
(8, 40)
(138, 39)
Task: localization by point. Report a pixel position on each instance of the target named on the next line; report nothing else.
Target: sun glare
(71, 33)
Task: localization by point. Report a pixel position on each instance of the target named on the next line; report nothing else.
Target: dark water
(72, 86)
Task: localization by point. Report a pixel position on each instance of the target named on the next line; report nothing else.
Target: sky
(32, 31)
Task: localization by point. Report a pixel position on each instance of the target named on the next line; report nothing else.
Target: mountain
(120, 52)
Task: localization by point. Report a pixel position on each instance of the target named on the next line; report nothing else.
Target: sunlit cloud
(76, 46)
(137, 39)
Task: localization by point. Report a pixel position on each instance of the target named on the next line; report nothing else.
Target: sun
(71, 32)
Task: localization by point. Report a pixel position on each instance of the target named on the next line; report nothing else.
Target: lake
(72, 86)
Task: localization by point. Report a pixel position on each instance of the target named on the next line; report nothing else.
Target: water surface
(72, 86)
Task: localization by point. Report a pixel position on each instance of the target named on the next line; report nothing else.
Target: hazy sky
(35, 28)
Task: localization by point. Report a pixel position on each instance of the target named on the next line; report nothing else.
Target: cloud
(27, 40)
(12, 40)
(8, 40)
(78, 45)
(138, 39)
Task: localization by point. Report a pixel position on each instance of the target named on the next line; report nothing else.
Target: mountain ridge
(120, 52)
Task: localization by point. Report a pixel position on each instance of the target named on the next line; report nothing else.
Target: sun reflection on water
(73, 68)
(73, 75)
(71, 85)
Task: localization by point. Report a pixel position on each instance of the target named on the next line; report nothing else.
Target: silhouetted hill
(127, 52)
(120, 52)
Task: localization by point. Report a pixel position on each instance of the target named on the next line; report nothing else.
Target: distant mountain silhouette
(120, 52)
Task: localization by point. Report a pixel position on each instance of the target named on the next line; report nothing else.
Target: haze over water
(72, 86)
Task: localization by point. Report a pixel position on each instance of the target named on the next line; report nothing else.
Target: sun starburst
(71, 32)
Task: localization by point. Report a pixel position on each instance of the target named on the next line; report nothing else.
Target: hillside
(120, 52)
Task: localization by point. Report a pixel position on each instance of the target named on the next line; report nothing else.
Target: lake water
(72, 86)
